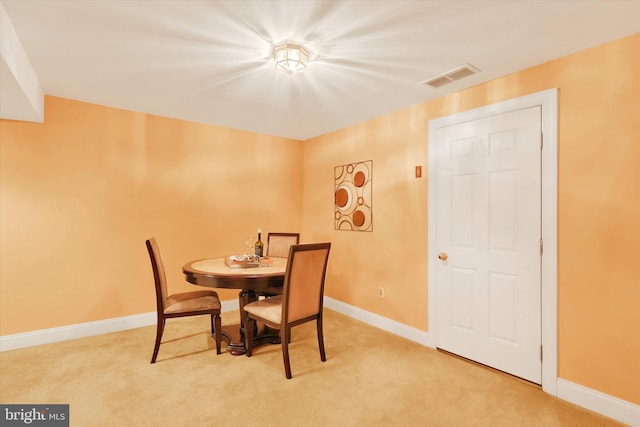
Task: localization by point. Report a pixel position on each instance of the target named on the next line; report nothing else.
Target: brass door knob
(443, 256)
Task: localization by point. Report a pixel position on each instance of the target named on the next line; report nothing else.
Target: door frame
(548, 100)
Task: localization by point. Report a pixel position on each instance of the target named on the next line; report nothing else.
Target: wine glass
(251, 245)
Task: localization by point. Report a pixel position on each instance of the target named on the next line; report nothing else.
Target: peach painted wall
(81, 192)
(599, 209)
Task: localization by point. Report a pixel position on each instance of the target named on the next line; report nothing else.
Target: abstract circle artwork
(352, 193)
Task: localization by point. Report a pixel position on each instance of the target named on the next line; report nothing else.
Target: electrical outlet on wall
(381, 291)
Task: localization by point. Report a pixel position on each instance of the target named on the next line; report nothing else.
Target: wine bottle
(259, 244)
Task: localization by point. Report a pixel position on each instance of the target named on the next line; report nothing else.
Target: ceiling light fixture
(290, 58)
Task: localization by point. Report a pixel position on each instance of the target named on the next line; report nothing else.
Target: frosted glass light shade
(290, 58)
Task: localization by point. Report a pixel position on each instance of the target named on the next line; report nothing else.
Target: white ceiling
(210, 61)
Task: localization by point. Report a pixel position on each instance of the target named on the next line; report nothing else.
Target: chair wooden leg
(216, 328)
(249, 325)
(323, 356)
(159, 331)
(285, 351)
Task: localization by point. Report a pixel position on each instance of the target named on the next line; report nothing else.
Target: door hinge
(541, 140)
(541, 246)
(541, 353)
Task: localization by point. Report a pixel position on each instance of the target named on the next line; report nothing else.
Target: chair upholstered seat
(192, 301)
(268, 309)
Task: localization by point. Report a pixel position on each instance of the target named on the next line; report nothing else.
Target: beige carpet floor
(371, 378)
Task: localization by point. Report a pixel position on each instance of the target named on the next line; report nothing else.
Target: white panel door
(489, 231)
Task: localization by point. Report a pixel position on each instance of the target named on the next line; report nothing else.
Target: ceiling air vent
(451, 76)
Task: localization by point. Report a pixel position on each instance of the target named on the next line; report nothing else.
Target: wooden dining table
(267, 278)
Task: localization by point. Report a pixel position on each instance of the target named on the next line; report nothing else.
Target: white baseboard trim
(63, 333)
(609, 406)
(81, 330)
(378, 321)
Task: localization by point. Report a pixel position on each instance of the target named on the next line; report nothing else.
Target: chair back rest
(278, 244)
(303, 289)
(158, 274)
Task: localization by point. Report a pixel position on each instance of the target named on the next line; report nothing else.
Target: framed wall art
(353, 209)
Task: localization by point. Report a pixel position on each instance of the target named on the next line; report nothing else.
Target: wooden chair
(183, 304)
(278, 244)
(300, 302)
